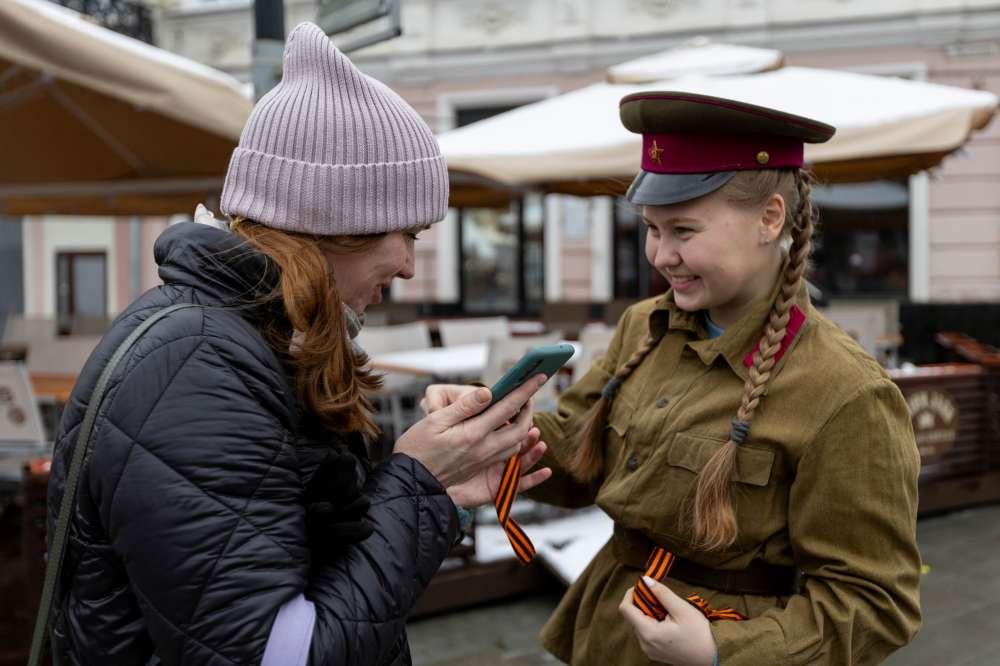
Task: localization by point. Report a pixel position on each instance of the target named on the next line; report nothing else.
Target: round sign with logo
(935, 422)
(17, 415)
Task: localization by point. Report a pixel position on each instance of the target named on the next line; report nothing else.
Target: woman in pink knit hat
(224, 510)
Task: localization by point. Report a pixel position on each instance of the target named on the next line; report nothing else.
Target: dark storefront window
(81, 291)
(470, 115)
(862, 248)
(489, 259)
(12, 263)
(634, 277)
(502, 258)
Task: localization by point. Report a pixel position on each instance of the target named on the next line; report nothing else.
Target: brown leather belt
(632, 549)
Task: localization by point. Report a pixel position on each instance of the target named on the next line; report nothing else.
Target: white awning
(696, 56)
(98, 122)
(578, 135)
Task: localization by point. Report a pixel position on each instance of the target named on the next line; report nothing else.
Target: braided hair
(714, 518)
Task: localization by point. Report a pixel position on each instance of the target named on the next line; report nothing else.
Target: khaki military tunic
(826, 481)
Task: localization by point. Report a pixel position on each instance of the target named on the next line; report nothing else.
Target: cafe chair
(397, 402)
(477, 330)
(594, 340)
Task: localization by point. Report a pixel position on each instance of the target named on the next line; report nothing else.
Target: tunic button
(662, 402)
(632, 464)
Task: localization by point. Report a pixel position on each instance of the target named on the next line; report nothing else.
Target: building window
(634, 277)
(128, 17)
(490, 279)
(862, 245)
(469, 115)
(501, 254)
(502, 258)
(12, 260)
(81, 291)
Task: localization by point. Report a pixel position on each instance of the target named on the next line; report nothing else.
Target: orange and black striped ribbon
(657, 567)
(711, 613)
(509, 482)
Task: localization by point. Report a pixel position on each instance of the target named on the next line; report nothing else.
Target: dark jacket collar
(216, 263)
(223, 270)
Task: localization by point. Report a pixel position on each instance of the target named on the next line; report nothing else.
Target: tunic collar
(740, 339)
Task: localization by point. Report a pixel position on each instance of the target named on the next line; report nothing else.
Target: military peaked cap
(694, 144)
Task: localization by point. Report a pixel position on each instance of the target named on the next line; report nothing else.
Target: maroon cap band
(708, 152)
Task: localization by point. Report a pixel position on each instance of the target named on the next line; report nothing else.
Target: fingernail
(649, 581)
(483, 395)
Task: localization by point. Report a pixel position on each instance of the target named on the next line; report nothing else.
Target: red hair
(331, 379)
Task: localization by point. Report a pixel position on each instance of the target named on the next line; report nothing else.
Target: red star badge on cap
(655, 152)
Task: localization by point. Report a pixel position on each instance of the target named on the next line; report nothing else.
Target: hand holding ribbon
(500, 483)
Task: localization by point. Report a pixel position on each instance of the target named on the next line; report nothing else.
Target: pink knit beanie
(332, 152)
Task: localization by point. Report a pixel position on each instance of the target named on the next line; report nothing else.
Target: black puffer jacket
(190, 530)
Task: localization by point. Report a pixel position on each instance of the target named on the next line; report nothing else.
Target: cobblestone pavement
(960, 598)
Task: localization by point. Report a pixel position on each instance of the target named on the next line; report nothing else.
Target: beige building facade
(468, 58)
(459, 60)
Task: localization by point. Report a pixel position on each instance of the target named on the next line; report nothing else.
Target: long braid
(587, 462)
(714, 518)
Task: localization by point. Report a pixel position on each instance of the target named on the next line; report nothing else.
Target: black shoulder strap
(68, 504)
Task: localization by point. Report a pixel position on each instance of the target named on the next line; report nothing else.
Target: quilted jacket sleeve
(363, 599)
(201, 494)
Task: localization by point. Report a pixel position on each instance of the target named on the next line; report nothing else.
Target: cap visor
(660, 189)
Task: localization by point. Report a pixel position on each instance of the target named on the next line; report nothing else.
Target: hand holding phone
(546, 359)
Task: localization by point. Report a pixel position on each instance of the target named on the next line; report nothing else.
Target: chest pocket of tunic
(756, 497)
(692, 452)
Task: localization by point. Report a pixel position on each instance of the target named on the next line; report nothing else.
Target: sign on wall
(361, 23)
(935, 422)
(20, 423)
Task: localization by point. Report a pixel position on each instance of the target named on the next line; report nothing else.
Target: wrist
(424, 474)
(459, 497)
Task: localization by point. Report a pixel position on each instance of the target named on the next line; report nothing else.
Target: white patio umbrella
(95, 122)
(696, 56)
(575, 142)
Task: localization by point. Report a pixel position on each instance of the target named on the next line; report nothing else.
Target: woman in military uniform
(754, 459)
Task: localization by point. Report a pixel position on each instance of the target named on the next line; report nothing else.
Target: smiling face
(362, 274)
(717, 256)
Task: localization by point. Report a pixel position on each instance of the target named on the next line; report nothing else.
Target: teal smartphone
(544, 359)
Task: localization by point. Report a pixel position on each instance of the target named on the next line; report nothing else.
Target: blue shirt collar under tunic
(714, 330)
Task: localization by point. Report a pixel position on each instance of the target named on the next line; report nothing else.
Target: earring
(765, 241)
